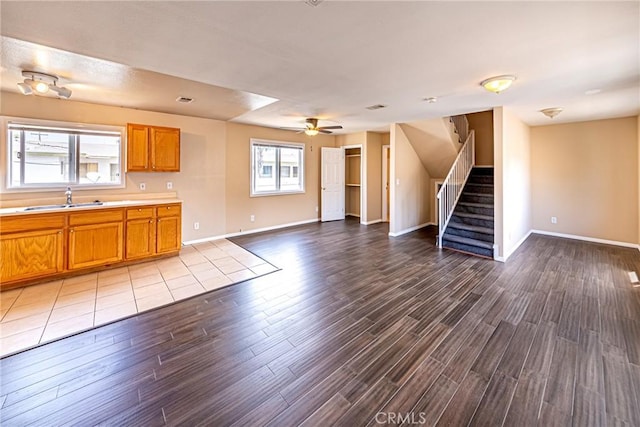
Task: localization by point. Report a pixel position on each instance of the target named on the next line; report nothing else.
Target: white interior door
(332, 184)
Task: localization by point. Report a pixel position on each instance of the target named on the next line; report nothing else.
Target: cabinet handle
(139, 210)
(158, 220)
(71, 231)
(59, 232)
(150, 221)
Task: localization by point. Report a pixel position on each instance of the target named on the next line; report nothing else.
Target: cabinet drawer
(96, 217)
(135, 213)
(31, 222)
(168, 210)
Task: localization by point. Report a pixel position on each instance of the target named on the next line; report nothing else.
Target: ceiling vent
(376, 107)
(184, 99)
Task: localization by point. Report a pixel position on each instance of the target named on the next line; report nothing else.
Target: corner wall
(200, 182)
(269, 211)
(482, 124)
(513, 197)
(410, 186)
(586, 175)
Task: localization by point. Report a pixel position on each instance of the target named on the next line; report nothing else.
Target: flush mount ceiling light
(431, 99)
(41, 83)
(498, 84)
(551, 112)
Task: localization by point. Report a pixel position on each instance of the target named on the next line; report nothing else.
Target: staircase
(470, 229)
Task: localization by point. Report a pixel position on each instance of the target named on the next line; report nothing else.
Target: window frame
(87, 128)
(253, 142)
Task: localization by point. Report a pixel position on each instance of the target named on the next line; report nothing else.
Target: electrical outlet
(554, 220)
(169, 185)
(143, 186)
(196, 226)
(253, 218)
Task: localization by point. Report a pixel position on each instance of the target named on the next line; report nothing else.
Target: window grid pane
(276, 169)
(49, 156)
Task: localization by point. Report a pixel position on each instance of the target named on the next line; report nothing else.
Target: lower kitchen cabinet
(40, 246)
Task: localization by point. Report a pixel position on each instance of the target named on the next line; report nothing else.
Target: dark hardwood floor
(360, 329)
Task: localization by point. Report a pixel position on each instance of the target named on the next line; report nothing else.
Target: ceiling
(273, 63)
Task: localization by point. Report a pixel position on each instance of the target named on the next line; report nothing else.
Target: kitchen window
(56, 155)
(276, 168)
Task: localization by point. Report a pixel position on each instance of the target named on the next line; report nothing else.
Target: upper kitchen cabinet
(152, 149)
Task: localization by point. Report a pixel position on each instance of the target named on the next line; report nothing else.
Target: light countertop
(104, 205)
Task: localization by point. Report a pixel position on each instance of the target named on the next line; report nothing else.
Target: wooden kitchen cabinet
(169, 229)
(31, 248)
(140, 233)
(95, 238)
(39, 246)
(151, 231)
(152, 148)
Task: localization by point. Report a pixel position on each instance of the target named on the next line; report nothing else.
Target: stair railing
(461, 125)
(454, 183)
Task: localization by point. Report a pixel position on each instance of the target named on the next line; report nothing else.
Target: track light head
(41, 83)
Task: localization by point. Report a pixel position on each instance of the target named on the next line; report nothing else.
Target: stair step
(472, 194)
(467, 241)
(476, 205)
(473, 216)
(480, 184)
(467, 227)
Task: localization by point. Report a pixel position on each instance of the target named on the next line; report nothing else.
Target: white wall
(513, 198)
(409, 186)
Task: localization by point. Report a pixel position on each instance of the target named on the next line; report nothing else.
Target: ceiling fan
(311, 127)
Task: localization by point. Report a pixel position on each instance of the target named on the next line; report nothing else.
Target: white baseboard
(409, 230)
(587, 239)
(375, 221)
(517, 245)
(256, 230)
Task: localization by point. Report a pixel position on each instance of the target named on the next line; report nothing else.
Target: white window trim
(43, 188)
(301, 170)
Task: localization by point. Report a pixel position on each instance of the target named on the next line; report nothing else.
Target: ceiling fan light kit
(311, 127)
(498, 84)
(41, 83)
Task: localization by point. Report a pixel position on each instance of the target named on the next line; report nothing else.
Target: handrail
(454, 183)
(461, 125)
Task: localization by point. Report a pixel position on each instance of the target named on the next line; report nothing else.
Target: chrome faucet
(68, 194)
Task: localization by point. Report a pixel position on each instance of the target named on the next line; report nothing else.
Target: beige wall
(516, 184)
(638, 127)
(586, 175)
(512, 181)
(269, 211)
(482, 124)
(374, 177)
(410, 186)
(200, 183)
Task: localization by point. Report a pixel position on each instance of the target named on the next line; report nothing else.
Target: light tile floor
(41, 313)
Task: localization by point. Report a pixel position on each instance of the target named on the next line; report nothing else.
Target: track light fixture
(41, 83)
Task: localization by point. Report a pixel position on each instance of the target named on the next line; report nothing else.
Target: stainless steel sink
(72, 205)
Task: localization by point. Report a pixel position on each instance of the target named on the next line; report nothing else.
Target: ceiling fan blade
(297, 129)
(330, 127)
(326, 132)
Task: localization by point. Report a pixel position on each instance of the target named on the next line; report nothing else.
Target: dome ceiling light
(551, 112)
(498, 84)
(41, 83)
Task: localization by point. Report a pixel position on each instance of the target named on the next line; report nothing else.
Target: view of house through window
(43, 156)
(276, 167)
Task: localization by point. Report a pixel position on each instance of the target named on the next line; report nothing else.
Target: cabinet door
(165, 149)
(137, 148)
(31, 254)
(140, 238)
(168, 230)
(95, 245)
